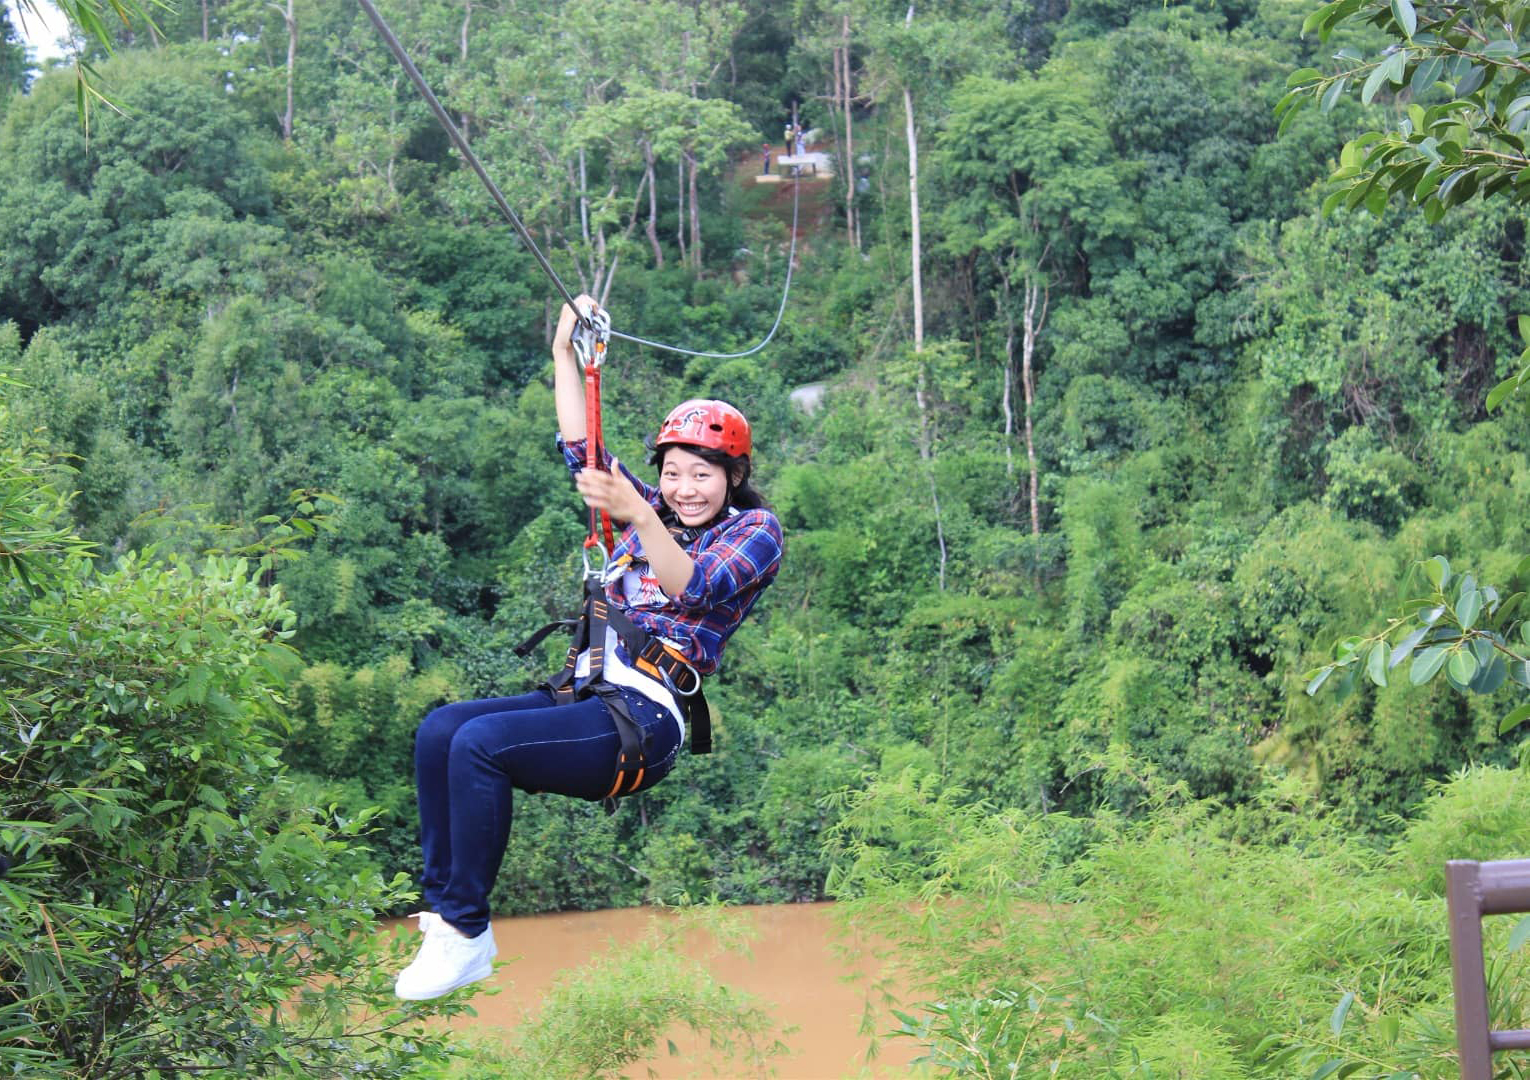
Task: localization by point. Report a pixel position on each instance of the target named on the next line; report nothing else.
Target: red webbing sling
(590, 341)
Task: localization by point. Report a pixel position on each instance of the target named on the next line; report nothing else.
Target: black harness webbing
(647, 654)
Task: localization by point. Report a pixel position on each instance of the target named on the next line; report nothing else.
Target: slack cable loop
(445, 120)
(791, 258)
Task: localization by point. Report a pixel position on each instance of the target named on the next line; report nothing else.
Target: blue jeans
(470, 756)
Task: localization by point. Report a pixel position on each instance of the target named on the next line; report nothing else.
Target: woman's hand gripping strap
(590, 339)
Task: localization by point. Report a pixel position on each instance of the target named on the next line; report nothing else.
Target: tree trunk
(837, 96)
(690, 161)
(1007, 401)
(1036, 299)
(609, 272)
(598, 268)
(462, 53)
(852, 213)
(680, 211)
(913, 213)
(653, 205)
(605, 288)
(204, 20)
(291, 18)
(921, 395)
(584, 201)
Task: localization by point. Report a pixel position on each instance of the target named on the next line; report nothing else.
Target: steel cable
(460, 143)
(457, 139)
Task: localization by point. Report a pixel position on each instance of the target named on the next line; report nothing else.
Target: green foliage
(96, 23)
(1441, 154)
(610, 1015)
(15, 59)
(1367, 481)
(1460, 136)
(1246, 416)
(1100, 522)
(174, 906)
(1446, 827)
(1200, 939)
(1179, 1046)
(1467, 630)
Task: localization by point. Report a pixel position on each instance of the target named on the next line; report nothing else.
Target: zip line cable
(460, 143)
(457, 140)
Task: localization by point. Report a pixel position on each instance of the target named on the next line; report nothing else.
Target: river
(792, 966)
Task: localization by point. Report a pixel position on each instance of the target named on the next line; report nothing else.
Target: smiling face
(694, 488)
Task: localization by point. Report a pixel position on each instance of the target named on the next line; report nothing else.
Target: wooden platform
(814, 162)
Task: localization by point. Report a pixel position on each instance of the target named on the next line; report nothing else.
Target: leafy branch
(1464, 628)
(1471, 144)
(269, 539)
(1327, 1057)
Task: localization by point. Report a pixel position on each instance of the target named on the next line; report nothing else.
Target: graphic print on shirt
(641, 588)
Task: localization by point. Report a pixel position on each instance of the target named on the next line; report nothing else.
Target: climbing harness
(457, 140)
(647, 653)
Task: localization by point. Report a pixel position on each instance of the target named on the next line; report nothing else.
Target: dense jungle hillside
(1118, 434)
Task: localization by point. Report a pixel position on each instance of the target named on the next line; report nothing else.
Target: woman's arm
(745, 555)
(615, 494)
(568, 379)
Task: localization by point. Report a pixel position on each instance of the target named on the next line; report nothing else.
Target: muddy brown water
(792, 965)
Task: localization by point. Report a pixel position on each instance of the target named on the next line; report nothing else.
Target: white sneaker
(447, 960)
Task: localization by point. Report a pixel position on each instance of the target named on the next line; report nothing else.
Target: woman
(694, 556)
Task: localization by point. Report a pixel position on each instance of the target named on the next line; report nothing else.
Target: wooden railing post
(1463, 901)
(1472, 890)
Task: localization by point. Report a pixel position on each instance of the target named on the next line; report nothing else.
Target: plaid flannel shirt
(734, 561)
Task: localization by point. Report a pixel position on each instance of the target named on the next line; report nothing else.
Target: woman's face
(694, 488)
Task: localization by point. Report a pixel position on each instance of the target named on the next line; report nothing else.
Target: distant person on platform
(765, 159)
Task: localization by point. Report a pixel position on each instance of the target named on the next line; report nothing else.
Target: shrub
(172, 908)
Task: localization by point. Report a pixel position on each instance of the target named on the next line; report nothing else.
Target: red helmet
(703, 422)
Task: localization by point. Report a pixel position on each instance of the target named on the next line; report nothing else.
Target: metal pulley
(590, 338)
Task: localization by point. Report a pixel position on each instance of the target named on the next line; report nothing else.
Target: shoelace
(427, 919)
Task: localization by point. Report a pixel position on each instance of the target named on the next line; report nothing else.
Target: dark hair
(741, 493)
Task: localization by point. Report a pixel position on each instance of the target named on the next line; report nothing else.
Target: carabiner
(590, 337)
(597, 572)
(695, 682)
